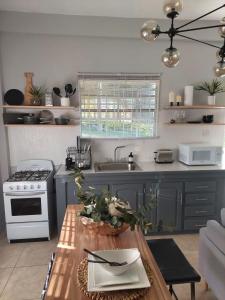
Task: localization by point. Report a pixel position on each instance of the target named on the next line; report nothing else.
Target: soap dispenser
(130, 162)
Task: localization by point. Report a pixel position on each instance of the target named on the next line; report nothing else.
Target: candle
(178, 100)
(171, 97)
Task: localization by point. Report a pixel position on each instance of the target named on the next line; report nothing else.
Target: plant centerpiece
(37, 93)
(212, 88)
(106, 214)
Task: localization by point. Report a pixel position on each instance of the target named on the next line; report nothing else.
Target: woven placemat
(82, 276)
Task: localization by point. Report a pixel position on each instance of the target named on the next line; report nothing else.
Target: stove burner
(30, 176)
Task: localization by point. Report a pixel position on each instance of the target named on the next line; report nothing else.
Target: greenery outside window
(119, 106)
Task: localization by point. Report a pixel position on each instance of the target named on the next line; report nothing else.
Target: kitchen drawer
(195, 211)
(195, 223)
(200, 199)
(200, 186)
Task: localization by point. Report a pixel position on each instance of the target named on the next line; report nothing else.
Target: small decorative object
(14, 97)
(171, 98)
(48, 99)
(37, 94)
(105, 214)
(208, 119)
(212, 88)
(172, 121)
(65, 101)
(70, 91)
(151, 30)
(188, 94)
(28, 86)
(178, 100)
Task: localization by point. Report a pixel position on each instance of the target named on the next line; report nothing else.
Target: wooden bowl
(102, 228)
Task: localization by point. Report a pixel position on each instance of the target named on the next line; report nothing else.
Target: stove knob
(18, 187)
(38, 186)
(11, 188)
(32, 187)
(25, 187)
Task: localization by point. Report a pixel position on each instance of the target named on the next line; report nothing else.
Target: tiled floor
(23, 268)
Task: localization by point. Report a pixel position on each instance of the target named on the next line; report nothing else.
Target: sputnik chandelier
(171, 57)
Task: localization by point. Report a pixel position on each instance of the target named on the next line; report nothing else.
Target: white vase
(65, 101)
(188, 95)
(212, 100)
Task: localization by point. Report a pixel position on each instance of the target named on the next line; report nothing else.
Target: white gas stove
(28, 200)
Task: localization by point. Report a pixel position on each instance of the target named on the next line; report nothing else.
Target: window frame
(136, 76)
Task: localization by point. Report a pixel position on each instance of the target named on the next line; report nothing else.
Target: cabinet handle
(202, 187)
(201, 199)
(181, 198)
(201, 211)
(199, 225)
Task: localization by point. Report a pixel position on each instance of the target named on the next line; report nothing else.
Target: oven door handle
(25, 194)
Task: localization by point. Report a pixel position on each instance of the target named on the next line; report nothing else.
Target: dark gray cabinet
(184, 200)
(134, 193)
(202, 202)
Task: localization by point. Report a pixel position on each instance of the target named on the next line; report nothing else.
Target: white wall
(55, 59)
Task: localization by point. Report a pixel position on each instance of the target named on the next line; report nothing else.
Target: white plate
(136, 270)
(104, 278)
(119, 255)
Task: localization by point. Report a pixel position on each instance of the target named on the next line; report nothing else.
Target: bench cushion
(223, 216)
(216, 234)
(172, 263)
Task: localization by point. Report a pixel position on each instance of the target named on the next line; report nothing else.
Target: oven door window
(26, 206)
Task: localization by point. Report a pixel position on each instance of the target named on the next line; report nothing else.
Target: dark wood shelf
(39, 125)
(37, 107)
(195, 107)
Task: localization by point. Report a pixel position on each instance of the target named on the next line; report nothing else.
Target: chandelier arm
(210, 12)
(192, 39)
(199, 28)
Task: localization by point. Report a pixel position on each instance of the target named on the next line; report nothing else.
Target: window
(119, 106)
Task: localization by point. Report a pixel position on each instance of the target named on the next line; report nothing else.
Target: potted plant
(212, 88)
(37, 93)
(106, 214)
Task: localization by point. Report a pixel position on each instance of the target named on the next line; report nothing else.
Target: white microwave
(200, 154)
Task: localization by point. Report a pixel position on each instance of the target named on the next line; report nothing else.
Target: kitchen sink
(113, 166)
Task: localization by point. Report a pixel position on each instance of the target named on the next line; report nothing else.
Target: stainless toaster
(164, 156)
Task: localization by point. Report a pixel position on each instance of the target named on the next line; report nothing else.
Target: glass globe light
(220, 70)
(172, 5)
(221, 30)
(147, 30)
(171, 57)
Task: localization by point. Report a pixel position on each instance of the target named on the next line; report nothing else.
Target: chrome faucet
(115, 151)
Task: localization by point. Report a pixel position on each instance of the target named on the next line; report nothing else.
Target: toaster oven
(164, 156)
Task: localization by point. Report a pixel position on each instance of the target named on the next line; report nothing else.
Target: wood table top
(63, 284)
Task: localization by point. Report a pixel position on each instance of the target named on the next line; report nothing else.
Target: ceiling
(113, 8)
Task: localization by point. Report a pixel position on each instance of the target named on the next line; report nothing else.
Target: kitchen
(57, 47)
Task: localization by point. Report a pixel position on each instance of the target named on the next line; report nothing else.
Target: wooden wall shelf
(195, 107)
(37, 107)
(39, 125)
(196, 124)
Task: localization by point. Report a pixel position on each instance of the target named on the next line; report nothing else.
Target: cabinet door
(71, 190)
(133, 193)
(169, 207)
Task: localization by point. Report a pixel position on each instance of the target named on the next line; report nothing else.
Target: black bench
(173, 264)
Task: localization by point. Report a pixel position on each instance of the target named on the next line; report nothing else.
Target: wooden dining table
(74, 237)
